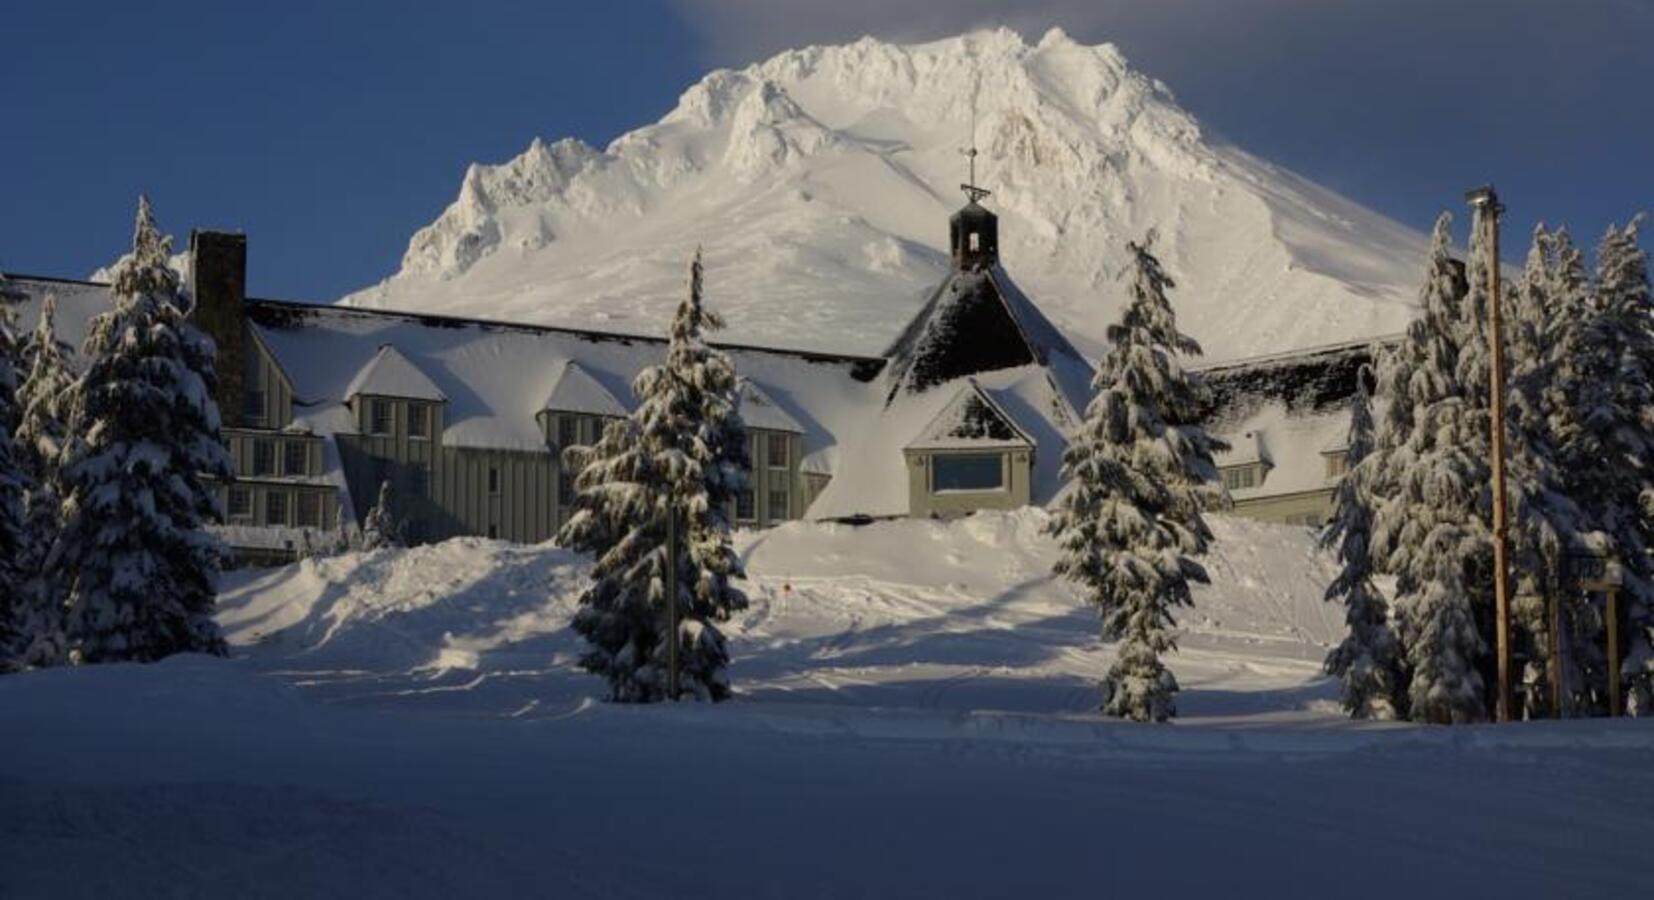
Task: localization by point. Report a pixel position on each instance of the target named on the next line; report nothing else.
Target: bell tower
(973, 232)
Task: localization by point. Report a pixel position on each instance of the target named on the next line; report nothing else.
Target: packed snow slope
(915, 719)
(911, 614)
(820, 182)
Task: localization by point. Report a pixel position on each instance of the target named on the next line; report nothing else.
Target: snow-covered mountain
(820, 182)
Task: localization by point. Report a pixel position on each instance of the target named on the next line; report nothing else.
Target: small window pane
(295, 458)
(275, 508)
(777, 450)
(746, 505)
(241, 503)
(264, 456)
(419, 420)
(379, 414)
(778, 505)
(976, 472)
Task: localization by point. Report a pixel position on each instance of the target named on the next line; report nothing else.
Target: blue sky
(330, 131)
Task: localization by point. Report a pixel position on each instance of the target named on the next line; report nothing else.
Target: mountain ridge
(819, 182)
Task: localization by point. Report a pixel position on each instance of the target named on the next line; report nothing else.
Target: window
(976, 241)
(379, 417)
(493, 479)
(295, 458)
(1239, 477)
(241, 503)
(310, 509)
(264, 456)
(419, 420)
(252, 406)
(776, 445)
(565, 488)
(1337, 464)
(746, 505)
(275, 508)
(568, 431)
(971, 472)
(778, 505)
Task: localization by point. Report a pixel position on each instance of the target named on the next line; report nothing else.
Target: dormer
(392, 398)
(575, 408)
(972, 455)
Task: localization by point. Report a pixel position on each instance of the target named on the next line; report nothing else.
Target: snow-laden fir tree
(133, 565)
(682, 452)
(1620, 431)
(1369, 662)
(14, 482)
(1429, 528)
(40, 432)
(380, 527)
(1140, 473)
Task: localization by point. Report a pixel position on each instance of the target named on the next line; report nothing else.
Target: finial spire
(970, 187)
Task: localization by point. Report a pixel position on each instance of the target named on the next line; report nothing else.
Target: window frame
(375, 405)
(750, 497)
(785, 512)
(274, 500)
(230, 513)
(263, 450)
(288, 448)
(770, 445)
(420, 412)
(938, 460)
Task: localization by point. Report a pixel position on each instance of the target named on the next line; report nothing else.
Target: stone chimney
(218, 282)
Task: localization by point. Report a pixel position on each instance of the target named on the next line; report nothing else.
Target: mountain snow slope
(820, 182)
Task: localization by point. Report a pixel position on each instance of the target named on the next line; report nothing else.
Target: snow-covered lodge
(968, 409)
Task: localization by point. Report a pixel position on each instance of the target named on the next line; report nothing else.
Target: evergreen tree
(1429, 527)
(1620, 431)
(681, 453)
(1140, 474)
(134, 567)
(14, 482)
(1369, 661)
(381, 528)
(42, 430)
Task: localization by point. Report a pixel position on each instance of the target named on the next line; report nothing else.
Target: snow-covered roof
(390, 374)
(759, 411)
(972, 419)
(1245, 448)
(574, 390)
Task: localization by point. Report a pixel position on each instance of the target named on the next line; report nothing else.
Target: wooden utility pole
(672, 600)
(1488, 209)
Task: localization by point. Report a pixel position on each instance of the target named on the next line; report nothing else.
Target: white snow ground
(915, 719)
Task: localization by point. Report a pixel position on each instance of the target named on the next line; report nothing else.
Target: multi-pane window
(967, 472)
(252, 406)
(379, 417)
(310, 509)
(419, 420)
(295, 458)
(264, 456)
(746, 505)
(568, 431)
(777, 447)
(1338, 463)
(241, 504)
(275, 508)
(1239, 477)
(778, 505)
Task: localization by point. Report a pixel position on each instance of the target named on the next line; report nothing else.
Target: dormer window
(419, 421)
(379, 417)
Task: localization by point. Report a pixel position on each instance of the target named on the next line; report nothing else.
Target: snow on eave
(574, 390)
(390, 374)
(936, 435)
(759, 410)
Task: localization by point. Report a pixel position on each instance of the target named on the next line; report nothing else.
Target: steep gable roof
(574, 390)
(979, 321)
(971, 419)
(390, 374)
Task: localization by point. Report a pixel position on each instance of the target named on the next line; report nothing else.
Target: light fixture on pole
(1487, 209)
